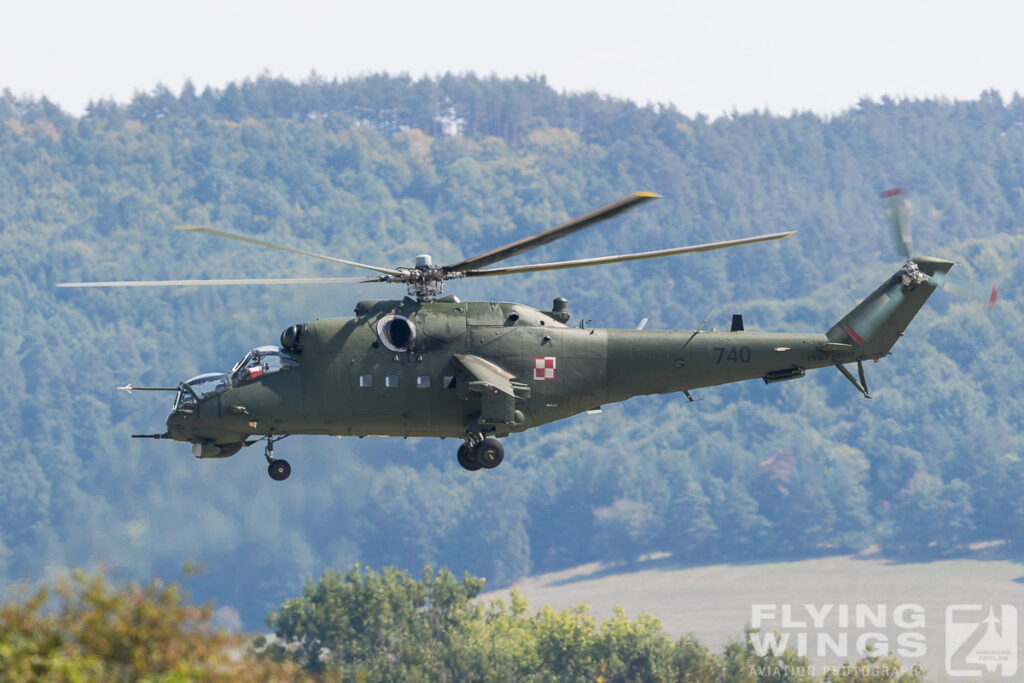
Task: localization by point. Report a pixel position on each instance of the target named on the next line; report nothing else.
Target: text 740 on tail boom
(433, 365)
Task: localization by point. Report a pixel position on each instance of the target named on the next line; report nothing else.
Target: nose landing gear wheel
(279, 469)
(489, 453)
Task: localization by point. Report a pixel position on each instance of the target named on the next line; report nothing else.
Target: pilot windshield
(201, 387)
(264, 360)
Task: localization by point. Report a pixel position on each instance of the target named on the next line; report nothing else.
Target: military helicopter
(431, 365)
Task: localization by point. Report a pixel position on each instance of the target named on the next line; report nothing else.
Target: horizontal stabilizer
(837, 347)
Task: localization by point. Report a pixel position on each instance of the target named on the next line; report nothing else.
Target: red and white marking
(544, 368)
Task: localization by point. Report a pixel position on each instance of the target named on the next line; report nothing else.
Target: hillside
(381, 168)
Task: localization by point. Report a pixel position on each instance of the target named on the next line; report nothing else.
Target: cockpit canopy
(263, 360)
(200, 387)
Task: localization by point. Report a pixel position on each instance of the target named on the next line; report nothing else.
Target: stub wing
(485, 374)
(497, 389)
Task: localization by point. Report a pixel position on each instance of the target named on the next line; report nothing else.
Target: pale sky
(708, 57)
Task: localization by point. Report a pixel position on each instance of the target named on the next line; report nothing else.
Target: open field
(907, 601)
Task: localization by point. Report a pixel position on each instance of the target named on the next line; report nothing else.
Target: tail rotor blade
(899, 220)
(968, 289)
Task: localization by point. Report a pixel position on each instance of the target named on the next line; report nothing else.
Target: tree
(87, 629)
(384, 625)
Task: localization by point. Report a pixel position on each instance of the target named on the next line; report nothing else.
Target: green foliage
(86, 629)
(380, 168)
(368, 626)
(383, 626)
(387, 626)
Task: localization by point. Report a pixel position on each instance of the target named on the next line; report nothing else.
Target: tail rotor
(899, 219)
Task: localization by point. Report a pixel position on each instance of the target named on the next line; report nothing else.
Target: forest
(380, 168)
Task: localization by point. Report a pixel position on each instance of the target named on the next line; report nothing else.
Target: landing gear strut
(277, 468)
(481, 453)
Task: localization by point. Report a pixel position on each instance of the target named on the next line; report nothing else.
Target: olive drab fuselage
(447, 368)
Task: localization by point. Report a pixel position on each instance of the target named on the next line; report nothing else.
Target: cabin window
(365, 381)
(423, 382)
(391, 381)
(449, 381)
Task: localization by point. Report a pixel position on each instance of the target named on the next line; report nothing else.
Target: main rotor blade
(215, 283)
(261, 243)
(620, 258)
(558, 232)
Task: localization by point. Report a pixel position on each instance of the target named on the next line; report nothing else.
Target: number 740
(736, 354)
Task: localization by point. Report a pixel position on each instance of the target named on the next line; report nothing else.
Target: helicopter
(432, 365)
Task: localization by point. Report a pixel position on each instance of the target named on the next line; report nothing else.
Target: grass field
(908, 600)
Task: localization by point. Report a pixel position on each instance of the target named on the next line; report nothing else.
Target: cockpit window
(264, 360)
(200, 386)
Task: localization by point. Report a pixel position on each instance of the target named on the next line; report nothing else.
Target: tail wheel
(489, 453)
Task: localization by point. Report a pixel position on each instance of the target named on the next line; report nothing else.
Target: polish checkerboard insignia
(544, 368)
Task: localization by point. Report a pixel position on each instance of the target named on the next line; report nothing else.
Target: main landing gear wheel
(489, 453)
(466, 459)
(279, 469)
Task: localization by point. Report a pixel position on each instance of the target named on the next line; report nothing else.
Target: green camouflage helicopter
(433, 365)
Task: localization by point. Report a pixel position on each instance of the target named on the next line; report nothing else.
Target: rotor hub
(424, 282)
(912, 275)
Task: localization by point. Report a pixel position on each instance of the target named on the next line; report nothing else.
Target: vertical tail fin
(879, 320)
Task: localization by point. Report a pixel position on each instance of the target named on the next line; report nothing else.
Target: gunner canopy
(198, 388)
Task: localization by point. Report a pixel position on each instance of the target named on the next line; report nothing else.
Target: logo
(980, 640)
(544, 368)
(839, 630)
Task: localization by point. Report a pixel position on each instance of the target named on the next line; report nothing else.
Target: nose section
(179, 425)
